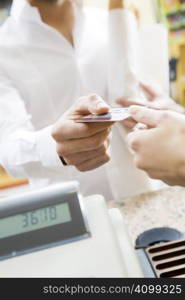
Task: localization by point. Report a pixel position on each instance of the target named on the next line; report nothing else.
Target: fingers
(152, 91)
(125, 102)
(149, 117)
(133, 140)
(167, 103)
(129, 123)
(140, 142)
(93, 163)
(86, 154)
(69, 130)
(66, 128)
(92, 104)
(82, 157)
(82, 145)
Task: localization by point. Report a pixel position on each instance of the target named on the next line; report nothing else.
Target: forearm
(116, 4)
(25, 151)
(34, 152)
(123, 54)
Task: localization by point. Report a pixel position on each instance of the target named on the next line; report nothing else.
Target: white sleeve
(123, 54)
(24, 152)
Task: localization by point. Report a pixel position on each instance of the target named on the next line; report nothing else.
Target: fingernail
(101, 105)
(140, 126)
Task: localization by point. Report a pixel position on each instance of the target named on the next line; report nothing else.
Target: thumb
(125, 102)
(92, 104)
(147, 116)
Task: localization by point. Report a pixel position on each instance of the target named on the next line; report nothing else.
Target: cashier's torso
(49, 74)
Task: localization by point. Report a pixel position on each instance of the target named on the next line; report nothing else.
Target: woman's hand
(116, 4)
(155, 99)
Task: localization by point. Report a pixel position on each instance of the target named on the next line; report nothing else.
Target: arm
(116, 4)
(123, 54)
(155, 98)
(28, 153)
(25, 152)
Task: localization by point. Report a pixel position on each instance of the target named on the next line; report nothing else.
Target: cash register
(56, 232)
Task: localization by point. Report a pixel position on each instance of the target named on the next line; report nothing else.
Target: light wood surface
(6, 181)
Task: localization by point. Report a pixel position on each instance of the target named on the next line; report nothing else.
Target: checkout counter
(56, 232)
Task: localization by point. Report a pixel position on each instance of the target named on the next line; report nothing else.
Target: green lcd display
(35, 220)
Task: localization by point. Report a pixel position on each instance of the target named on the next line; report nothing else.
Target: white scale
(55, 232)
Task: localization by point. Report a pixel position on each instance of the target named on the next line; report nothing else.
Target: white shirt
(41, 75)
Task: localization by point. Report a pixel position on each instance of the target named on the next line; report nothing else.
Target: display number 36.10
(37, 217)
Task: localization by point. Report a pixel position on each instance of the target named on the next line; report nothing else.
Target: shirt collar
(21, 9)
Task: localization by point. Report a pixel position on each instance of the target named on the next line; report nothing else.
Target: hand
(83, 145)
(159, 150)
(116, 4)
(156, 99)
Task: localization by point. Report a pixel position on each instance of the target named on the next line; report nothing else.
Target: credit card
(114, 115)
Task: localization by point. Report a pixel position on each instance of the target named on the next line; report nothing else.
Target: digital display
(35, 220)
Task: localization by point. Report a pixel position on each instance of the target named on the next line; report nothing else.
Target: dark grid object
(168, 259)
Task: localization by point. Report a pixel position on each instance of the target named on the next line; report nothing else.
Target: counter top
(163, 208)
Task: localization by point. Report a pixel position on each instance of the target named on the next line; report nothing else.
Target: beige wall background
(146, 8)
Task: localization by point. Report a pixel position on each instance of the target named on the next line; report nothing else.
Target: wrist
(182, 109)
(116, 4)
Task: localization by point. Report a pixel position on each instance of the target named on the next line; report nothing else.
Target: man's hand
(159, 150)
(83, 145)
(156, 99)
